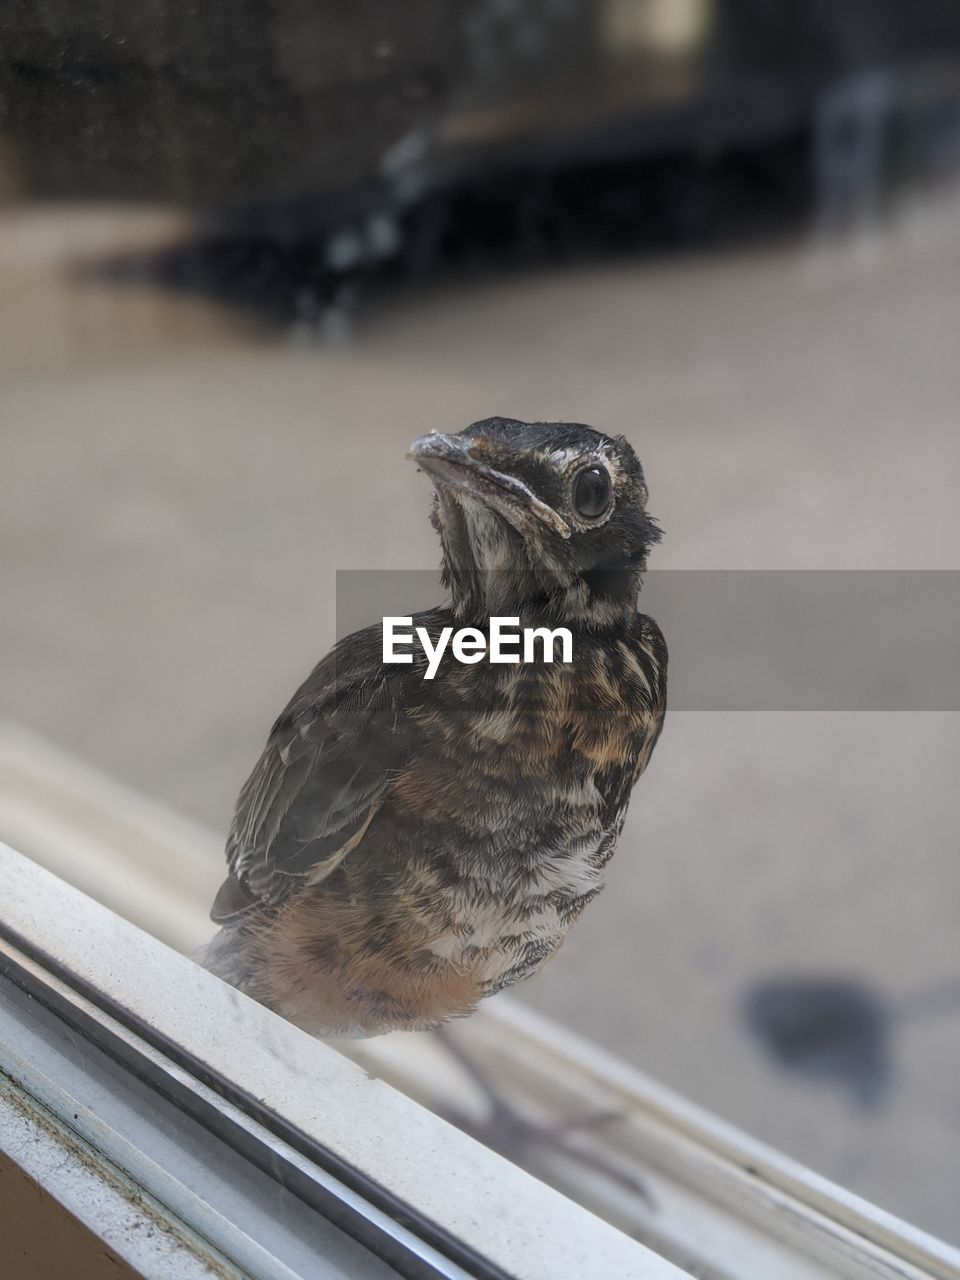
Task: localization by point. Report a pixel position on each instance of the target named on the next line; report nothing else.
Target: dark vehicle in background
(321, 139)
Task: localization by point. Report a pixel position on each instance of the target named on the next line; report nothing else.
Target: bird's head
(552, 513)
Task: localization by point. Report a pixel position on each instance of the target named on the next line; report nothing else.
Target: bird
(405, 847)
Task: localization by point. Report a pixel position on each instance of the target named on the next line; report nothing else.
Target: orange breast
(328, 967)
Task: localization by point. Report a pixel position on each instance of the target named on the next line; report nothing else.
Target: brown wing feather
(312, 794)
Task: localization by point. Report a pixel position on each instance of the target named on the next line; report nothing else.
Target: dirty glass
(250, 252)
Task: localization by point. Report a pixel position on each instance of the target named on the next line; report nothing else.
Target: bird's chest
(512, 904)
(561, 722)
(526, 803)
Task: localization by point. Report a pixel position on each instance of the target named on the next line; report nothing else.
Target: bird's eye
(591, 492)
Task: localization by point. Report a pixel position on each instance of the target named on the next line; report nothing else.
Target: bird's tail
(226, 956)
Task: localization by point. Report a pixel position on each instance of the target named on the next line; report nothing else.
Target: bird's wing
(651, 653)
(328, 761)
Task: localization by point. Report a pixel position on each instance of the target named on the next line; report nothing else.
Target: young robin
(404, 846)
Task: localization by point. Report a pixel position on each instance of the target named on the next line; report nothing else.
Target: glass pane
(250, 253)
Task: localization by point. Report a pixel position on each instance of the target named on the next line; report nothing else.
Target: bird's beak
(455, 462)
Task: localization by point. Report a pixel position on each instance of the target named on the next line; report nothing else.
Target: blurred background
(249, 251)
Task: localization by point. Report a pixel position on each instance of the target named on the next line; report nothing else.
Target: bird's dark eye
(591, 492)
